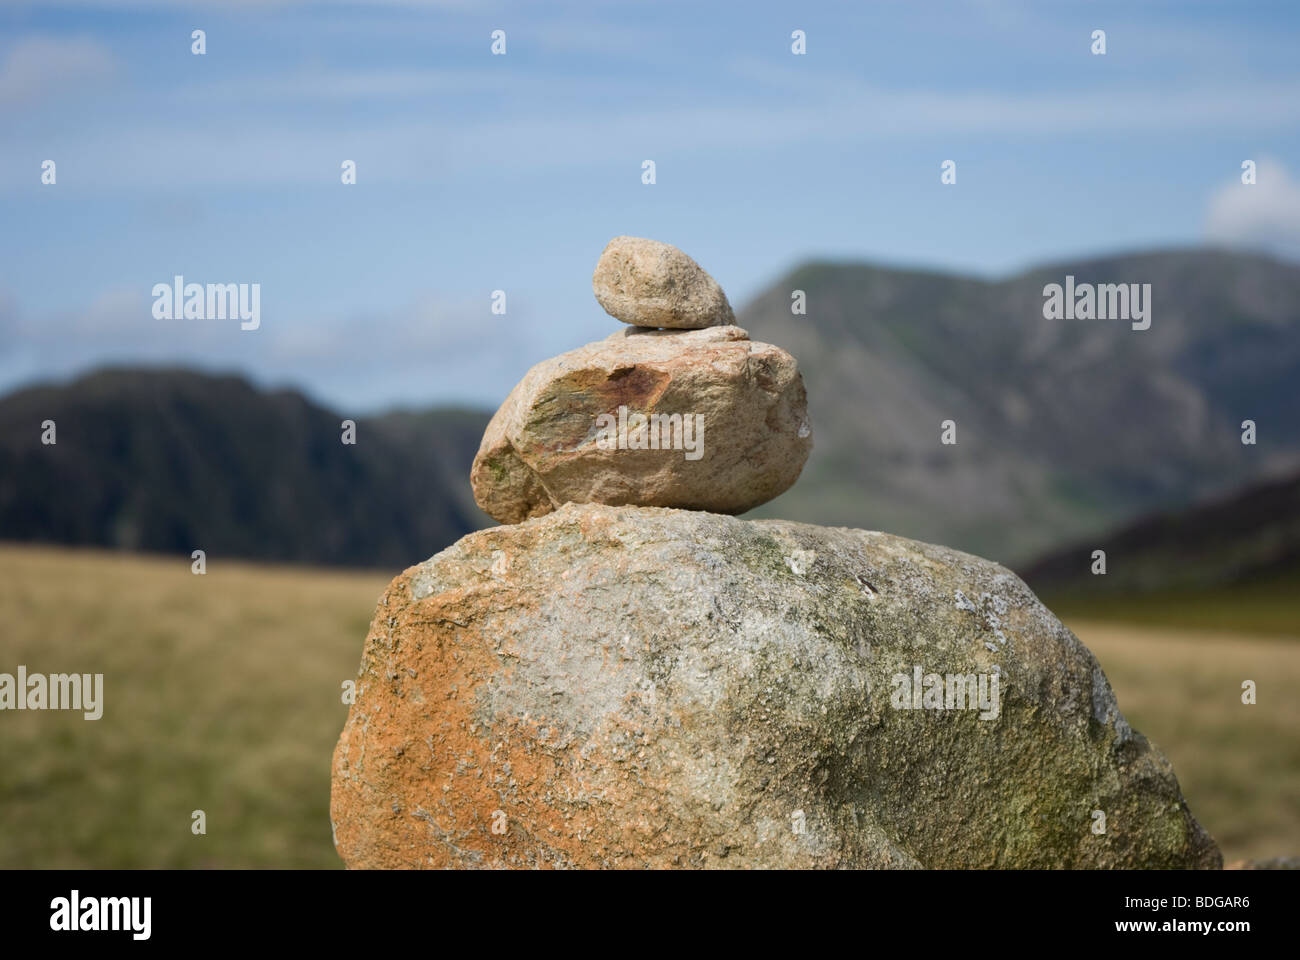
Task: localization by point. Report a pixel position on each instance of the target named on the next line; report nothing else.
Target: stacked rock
(615, 686)
(679, 409)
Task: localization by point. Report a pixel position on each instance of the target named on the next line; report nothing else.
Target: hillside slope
(173, 461)
(1065, 428)
(1251, 537)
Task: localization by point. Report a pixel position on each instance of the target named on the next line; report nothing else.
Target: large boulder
(633, 687)
(596, 425)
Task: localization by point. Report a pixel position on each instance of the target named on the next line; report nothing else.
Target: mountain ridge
(170, 460)
(1066, 430)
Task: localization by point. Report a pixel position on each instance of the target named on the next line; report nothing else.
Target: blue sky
(479, 172)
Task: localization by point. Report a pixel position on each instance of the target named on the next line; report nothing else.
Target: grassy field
(1238, 765)
(222, 693)
(1270, 608)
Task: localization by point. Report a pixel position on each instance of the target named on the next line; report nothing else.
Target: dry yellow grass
(222, 693)
(1239, 765)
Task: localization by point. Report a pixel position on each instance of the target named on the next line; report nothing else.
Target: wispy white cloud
(274, 147)
(224, 5)
(342, 86)
(1264, 215)
(38, 67)
(624, 41)
(366, 359)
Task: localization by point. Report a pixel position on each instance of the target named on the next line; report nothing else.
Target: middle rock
(697, 419)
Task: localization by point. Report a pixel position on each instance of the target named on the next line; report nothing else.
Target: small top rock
(651, 284)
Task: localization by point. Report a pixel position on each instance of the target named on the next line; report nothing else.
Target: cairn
(612, 685)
